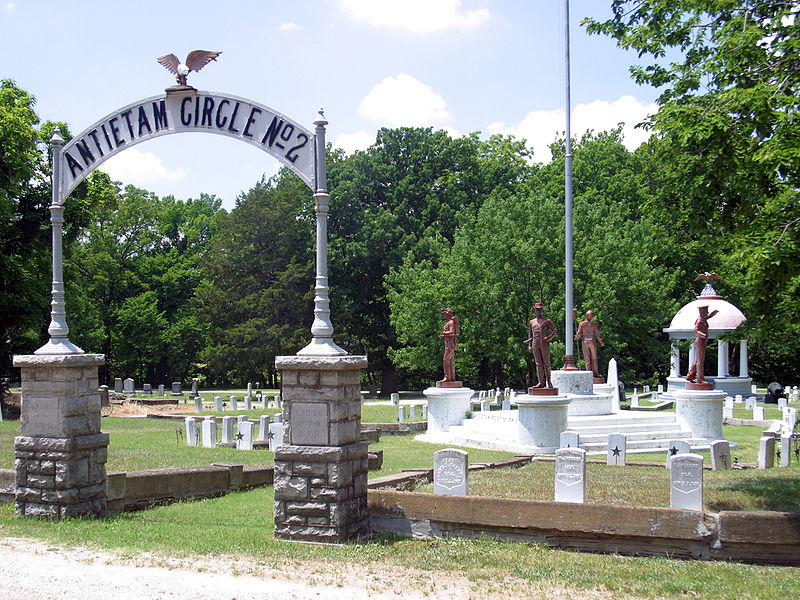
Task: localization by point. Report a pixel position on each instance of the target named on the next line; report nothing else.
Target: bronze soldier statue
(541, 331)
(588, 332)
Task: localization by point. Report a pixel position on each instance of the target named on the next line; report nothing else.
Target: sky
(488, 66)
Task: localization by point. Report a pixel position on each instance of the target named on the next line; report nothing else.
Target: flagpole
(569, 359)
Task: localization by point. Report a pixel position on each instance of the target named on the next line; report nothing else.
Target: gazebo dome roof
(727, 319)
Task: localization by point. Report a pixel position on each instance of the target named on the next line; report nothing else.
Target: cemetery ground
(233, 534)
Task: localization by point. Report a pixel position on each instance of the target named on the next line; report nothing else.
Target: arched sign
(186, 110)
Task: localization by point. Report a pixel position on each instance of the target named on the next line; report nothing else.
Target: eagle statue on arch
(196, 60)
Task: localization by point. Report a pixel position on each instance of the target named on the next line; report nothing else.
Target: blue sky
(494, 66)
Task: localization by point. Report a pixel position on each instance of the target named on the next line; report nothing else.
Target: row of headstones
(618, 446)
(450, 468)
(409, 412)
(127, 386)
(645, 392)
(788, 413)
(497, 397)
(271, 432)
(793, 394)
(219, 405)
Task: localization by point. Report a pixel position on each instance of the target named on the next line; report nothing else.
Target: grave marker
(450, 472)
(177, 389)
(103, 398)
(677, 447)
(686, 482)
(750, 403)
(218, 403)
(248, 403)
(570, 475)
(395, 399)
(117, 385)
(569, 439)
(209, 427)
(786, 450)
(275, 435)
(147, 389)
(485, 405)
(191, 431)
(758, 413)
(617, 449)
(227, 430)
(234, 403)
(412, 412)
(195, 386)
(198, 404)
(720, 455)
(766, 452)
(263, 427)
(128, 386)
(244, 436)
(401, 410)
(161, 390)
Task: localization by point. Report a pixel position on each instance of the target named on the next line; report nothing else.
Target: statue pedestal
(578, 386)
(446, 407)
(541, 421)
(701, 412)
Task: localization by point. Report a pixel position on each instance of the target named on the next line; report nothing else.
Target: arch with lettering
(188, 110)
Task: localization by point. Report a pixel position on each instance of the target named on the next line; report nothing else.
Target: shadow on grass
(757, 493)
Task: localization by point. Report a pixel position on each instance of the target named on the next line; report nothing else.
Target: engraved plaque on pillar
(309, 425)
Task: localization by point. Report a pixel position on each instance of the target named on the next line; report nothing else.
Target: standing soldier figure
(541, 331)
(696, 373)
(450, 336)
(588, 332)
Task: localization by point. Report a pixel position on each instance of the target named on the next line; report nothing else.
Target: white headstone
(506, 403)
(485, 405)
(279, 417)
(786, 450)
(758, 413)
(227, 430)
(218, 403)
(401, 410)
(234, 403)
(753, 389)
(263, 427)
(128, 386)
(278, 401)
(647, 389)
(617, 449)
(248, 403)
(195, 386)
(198, 404)
(729, 402)
(789, 419)
(209, 426)
(613, 381)
(240, 419)
(766, 452)
(191, 431)
(569, 439)
(395, 397)
(677, 447)
(264, 401)
(660, 388)
(244, 437)
(635, 399)
(161, 390)
(424, 412)
(117, 385)
(727, 411)
(275, 435)
(783, 403)
(686, 482)
(249, 389)
(720, 455)
(750, 403)
(412, 412)
(450, 472)
(570, 475)
(739, 399)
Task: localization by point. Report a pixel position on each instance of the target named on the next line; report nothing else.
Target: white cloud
(403, 101)
(10, 7)
(416, 16)
(350, 142)
(142, 169)
(291, 26)
(541, 127)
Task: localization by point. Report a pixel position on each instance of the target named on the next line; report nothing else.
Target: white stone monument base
(573, 382)
(733, 385)
(591, 404)
(446, 407)
(541, 421)
(701, 412)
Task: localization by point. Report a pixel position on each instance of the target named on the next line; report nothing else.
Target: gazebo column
(722, 359)
(675, 360)
(691, 355)
(743, 359)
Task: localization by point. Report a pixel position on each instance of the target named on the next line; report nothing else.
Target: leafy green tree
(729, 140)
(511, 256)
(24, 228)
(412, 186)
(257, 299)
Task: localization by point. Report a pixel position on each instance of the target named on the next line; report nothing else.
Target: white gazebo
(727, 319)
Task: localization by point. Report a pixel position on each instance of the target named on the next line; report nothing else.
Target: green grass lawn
(240, 524)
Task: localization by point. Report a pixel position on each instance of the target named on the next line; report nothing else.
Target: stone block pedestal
(541, 421)
(446, 407)
(701, 412)
(321, 468)
(60, 455)
(578, 386)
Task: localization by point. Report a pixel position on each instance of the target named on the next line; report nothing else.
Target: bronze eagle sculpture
(196, 60)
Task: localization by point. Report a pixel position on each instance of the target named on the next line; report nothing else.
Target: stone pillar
(691, 355)
(321, 468)
(60, 454)
(743, 368)
(675, 361)
(722, 359)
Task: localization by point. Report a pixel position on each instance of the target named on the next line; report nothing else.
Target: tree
(258, 297)
(729, 140)
(511, 256)
(24, 229)
(412, 186)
